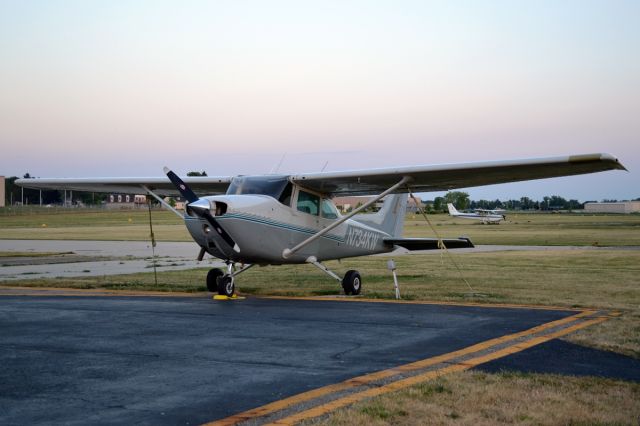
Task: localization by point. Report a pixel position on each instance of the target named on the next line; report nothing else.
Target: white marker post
(391, 265)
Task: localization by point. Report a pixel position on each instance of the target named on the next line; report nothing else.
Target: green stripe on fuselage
(287, 226)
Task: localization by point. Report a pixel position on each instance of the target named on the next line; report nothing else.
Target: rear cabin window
(308, 203)
(328, 210)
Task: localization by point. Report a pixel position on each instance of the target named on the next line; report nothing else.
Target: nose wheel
(221, 283)
(224, 283)
(226, 286)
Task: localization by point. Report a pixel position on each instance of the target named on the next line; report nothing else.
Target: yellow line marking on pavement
(410, 381)
(371, 377)
(422, 302)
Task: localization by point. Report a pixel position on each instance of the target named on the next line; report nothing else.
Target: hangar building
(621, 207)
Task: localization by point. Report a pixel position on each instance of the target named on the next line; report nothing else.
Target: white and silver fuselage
(263, 228)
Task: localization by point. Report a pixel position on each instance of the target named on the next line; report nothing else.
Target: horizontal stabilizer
(429, 243)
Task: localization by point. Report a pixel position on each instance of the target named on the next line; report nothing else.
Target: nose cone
(200, 206)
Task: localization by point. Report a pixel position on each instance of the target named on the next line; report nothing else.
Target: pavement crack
(339, 355)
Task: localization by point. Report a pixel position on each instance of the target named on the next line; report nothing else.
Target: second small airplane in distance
(291, 219)
(486, 216)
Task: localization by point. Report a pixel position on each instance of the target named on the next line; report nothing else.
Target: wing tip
(599, 157)
(613, 159)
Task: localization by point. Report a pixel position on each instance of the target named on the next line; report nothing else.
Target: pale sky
(94, 88)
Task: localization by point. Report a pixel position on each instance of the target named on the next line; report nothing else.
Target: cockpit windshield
(273, 186)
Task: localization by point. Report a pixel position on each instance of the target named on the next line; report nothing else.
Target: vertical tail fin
(452, 210)
(390, 218)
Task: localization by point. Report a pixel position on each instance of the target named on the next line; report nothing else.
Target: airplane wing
(202, 185)
(453, 176)
(429, 243)
(362, 182)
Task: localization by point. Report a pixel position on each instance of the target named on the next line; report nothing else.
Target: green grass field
(476, 398)
(537, 229)
(81, 224)
(604, 278)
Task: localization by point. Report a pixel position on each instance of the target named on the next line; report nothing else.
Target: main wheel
(212, 279)
(352, 283)
(226, 286)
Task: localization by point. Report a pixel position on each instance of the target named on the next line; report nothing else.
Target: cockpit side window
(328, 210)
(285, 197)
(308, 203)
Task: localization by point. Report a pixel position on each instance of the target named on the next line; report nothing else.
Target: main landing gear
(351, 283)
(224, 283)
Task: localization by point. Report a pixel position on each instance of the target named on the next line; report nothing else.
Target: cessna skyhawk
(486, 216)
(290, 219)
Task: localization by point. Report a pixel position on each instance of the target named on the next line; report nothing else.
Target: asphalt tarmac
(163, 360)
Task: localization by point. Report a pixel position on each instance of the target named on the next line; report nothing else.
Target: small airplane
(291, 219)
(486, 216)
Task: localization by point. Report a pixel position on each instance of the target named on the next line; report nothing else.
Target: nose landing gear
(224, 283)
(226, 286)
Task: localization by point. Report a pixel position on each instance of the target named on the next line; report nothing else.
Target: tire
(212, 279)
(226, 286)
(352, 282)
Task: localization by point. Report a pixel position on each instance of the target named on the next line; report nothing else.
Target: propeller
(185, 191)
(200, 206)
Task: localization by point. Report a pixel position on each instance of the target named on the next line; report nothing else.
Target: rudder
(390, 218)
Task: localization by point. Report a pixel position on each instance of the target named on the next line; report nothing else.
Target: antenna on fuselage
(275, 170)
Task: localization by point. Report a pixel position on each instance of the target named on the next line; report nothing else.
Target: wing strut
(286, 253)
(163, 202)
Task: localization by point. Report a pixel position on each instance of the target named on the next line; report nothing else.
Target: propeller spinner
(201, 207)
